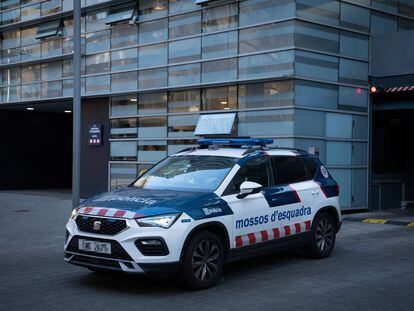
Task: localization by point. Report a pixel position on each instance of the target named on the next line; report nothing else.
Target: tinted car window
(311, 167)
(256, 170)
(288, 170)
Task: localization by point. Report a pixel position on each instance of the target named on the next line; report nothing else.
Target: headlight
(163, 221)
(74, 213)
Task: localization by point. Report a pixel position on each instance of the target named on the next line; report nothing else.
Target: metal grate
(107, 226)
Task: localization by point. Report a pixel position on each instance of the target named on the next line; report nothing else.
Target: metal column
(76, 166)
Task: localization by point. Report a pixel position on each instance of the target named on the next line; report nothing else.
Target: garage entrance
(392, 150)
(36, 146)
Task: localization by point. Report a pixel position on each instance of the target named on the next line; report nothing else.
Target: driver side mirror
(248, 188)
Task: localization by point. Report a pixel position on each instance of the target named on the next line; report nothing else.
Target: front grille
(95, 262)
(117, 251)
(152, 247)
(107, 226)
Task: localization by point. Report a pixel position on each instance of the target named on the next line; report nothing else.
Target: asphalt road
(372, 268)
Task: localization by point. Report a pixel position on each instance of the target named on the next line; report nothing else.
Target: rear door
(291, 196)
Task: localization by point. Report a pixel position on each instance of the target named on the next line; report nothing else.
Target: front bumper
(126, 255)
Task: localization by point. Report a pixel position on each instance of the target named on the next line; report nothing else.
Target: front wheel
(203, 261)
(322, 236)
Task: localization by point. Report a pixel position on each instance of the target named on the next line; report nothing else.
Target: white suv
(203, 207)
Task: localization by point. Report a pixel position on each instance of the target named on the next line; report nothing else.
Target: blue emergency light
(235, 142)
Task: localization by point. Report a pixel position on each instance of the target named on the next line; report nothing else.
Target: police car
(206, 206)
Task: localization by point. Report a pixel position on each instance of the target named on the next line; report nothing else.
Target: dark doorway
(36, 149)
(392, 161)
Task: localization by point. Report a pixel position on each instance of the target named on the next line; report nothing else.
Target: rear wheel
(322, 236)
(203, 261)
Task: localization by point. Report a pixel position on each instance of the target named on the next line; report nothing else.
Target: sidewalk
(398, 217)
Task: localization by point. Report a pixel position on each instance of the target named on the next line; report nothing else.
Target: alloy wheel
(204, 260)
(325, 235)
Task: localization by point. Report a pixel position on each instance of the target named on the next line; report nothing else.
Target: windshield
(192, 173)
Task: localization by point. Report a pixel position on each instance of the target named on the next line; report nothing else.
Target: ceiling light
(226, 108)
(133, 99)
(68, 111)
(223, 103)
(30, 108)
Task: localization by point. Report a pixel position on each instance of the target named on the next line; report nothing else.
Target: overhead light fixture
(68, 111)
(223, 103)
(30, 108)
(226, 108)
(373, 89)
(133, 99)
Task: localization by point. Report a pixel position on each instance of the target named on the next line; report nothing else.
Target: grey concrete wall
(392, 54)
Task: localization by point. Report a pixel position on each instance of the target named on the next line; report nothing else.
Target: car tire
(203, 261)
(322, 237)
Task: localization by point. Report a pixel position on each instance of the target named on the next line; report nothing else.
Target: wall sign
(95, 135)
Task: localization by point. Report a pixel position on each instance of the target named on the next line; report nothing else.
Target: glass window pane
(353, 98)
(343, 178)
(31, 91)
(30, 52)
(184, 101)
(182, 126)
(51, 47)
(351, 71)
(360, 130)
(11, 76)
(359, 153)
(152, 150)
(354, 17)
(30, 73)
(52, 71)
(359, 188)
(220, 45)
(96, 20)
(261, 11)
(267, 37)
(220, 70)
(97, 42)
(124, 105)
(27, 36)
(122, 175)
(220, 18)
(124, 128)
(153, 31)
(11, 93)
(124, 59)
(123, 150)
(177, 6)
(97, 84)
(268, 94)
(184, 74)
(276, 64)
(125, 81)
(315, 37)
(153, 55)
(383, 23)
(153, 78)
(52, 89)
(220, 98)
(406, 7)
(30, 12)
(185, 25)
(9, 17)
(322, 11)
(355, 45)
(176, 145)
(318, 66)
(51, 7)
(155, 127)
(184, 50)
(152, 103)
(338, 125)
(338, 153)
(288, 170)
(11, 55)
(9, 4)
(317, 95)
(267, 122)
(304, 127)
(150, 9)
(386, 5)
(405, 24)
(11, 39)
(97, 63)
(124, 36)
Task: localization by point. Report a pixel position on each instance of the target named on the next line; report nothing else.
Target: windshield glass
(192, 173)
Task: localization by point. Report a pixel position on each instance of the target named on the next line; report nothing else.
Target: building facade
(294, 70)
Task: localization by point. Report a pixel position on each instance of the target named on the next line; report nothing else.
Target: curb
(381, 221)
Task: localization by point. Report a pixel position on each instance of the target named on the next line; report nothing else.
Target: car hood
(138, 202)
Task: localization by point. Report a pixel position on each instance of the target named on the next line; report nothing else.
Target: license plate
(94, 246)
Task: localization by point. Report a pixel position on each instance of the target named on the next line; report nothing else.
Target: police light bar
(235, 141)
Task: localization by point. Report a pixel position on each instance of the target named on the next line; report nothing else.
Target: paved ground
(372, 268)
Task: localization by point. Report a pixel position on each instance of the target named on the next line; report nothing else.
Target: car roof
(234, 152)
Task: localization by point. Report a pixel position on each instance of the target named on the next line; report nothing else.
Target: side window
(256, 170)
(311, 167)
(288, 170)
